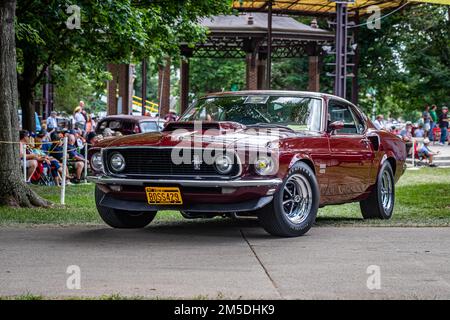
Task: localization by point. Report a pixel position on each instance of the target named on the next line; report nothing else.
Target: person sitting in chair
(76, 157)
(427, 153)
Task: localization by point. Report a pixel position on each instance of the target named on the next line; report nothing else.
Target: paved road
(226, 259)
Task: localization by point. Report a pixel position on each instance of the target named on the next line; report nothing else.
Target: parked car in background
(127, 124)
(277, 155)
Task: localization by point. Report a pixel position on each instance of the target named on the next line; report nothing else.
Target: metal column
(340, 85)
(144, 85)
(269, 45)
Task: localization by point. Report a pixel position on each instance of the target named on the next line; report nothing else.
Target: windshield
(298, 113)
(150, 126)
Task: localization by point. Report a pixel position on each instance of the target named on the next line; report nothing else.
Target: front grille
(143, 162)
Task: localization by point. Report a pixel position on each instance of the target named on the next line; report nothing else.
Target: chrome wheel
(297, 198)
(387, 189)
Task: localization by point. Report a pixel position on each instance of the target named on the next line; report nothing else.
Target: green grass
(422, 199)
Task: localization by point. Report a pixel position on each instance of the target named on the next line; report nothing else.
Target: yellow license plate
(164, 195)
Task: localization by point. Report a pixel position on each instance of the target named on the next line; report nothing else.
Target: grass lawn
(422, 199)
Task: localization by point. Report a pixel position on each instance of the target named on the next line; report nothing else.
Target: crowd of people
(44, 150)
(432, 128)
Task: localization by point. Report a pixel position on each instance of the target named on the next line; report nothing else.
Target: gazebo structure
(241, 37)
(244, 37)
(259, 35)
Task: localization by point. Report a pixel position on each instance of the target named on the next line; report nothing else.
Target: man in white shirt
(52, 123)
(80, 121)
(379, 122)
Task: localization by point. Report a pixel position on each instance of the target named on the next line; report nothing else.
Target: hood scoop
(202, 125)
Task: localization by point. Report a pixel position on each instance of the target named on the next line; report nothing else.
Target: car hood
(213, 134)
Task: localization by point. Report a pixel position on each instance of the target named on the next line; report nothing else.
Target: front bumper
(110, 201)
(186, 183)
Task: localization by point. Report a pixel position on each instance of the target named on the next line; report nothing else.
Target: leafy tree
(110, 31)
(215, 75)
(77, 82)
(407, 61)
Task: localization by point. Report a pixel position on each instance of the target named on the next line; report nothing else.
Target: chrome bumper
(188, 183)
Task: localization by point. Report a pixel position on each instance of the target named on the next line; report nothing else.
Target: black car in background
(128, 124)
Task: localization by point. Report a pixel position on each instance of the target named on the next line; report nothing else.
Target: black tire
(376, 206)
(274, 218)
(122, 219)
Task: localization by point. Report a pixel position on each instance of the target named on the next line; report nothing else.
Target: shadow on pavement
(180, 232)
(198, 231)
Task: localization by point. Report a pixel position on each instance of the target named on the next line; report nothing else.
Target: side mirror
(336, 125)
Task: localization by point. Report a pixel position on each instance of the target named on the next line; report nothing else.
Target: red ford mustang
(277, 155)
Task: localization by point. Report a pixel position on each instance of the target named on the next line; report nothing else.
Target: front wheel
(122, 219)
(294, 207)
(380, 203)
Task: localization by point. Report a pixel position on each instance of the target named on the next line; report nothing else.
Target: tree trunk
(13, 190)
(26, 91)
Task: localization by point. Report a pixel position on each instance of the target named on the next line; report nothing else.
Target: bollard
(63, 186)
(24, 154)
(85, 162)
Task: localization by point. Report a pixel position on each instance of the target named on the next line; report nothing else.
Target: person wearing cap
(80, 120)
(443, 125)
(406, 135)
(425, 152)
(52, 123)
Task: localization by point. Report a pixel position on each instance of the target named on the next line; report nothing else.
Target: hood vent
(171, 126)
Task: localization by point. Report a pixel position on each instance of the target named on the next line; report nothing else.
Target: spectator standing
(379, 122)
(90, 123)
(443, 125)
(80, 120)
(426, 116)
(52, 123)
(434, 121)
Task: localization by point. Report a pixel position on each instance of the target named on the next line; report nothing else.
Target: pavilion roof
(255, 24)
(318, 7)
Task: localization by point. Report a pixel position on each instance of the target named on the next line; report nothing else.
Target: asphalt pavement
(225, 259)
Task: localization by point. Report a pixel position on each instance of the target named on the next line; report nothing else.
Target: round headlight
(117, 162)
(264, 166)
(223, 164)
(96, 162)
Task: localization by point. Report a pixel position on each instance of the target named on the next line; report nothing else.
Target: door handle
(364, 141)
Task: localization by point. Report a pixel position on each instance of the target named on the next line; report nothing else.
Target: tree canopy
(107, 32)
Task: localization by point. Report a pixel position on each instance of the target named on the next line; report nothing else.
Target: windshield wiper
(274, 125)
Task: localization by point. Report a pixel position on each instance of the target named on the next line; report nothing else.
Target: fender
(301, 156)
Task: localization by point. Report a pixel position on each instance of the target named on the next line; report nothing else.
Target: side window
(341, 112)
(360, 126)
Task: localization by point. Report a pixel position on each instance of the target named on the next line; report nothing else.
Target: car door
(351, 152)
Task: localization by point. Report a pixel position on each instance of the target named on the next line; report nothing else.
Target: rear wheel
(380, 203)
(294, 207)
(122, 219)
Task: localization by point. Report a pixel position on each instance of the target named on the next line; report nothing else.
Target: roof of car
(277, 92)
(130, 117)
